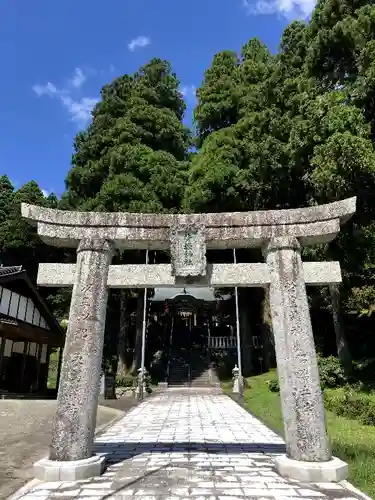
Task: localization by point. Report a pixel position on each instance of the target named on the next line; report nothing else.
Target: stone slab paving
(188, 444)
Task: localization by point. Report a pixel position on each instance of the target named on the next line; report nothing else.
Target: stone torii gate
(280, 233)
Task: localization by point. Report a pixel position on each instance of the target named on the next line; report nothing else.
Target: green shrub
(331, 372)
(331, 375)
(368, 415)
(148, 379)
(224, 362)
(364, 371)
(351, 404)
(125, 381)
(273, 385)
(158, 366)
(246, 383)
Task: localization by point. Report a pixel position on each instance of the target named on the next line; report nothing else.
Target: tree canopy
(133, 154)
(283, 130)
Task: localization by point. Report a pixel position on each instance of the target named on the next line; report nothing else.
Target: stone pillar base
(238, 386)
(74, 470)
(333, 471)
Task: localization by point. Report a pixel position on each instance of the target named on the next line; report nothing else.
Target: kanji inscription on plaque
(188, 251)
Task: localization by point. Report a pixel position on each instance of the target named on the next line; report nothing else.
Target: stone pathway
(188, 444)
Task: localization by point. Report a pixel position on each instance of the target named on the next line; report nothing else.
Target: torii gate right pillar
(309, 456)
(301, 396)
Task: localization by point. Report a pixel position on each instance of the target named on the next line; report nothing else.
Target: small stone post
(141, 388)
(237, 381)
(77, 400)
(301, 395)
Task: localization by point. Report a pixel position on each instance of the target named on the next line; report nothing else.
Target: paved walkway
(189, 445)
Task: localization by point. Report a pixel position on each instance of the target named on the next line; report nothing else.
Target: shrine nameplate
(188, 251)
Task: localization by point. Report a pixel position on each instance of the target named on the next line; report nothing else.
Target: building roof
(10, 274)
(10, 271)
(205, 294)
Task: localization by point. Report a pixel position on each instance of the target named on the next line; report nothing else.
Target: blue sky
(56, 55)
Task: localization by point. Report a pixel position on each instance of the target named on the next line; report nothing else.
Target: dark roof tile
(10, 270)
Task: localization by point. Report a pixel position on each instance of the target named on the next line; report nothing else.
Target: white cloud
(79, 108)
(290, 9)
(47, 89)
(188, 91)
(45, 193)
(139, 42)
(78, 79)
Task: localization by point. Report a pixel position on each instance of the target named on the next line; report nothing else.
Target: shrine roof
(200, 293)
(6, 271)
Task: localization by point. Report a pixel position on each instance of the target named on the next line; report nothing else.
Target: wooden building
(28, 332)
(195, 316)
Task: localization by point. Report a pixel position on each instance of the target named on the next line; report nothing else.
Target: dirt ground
(25, 435)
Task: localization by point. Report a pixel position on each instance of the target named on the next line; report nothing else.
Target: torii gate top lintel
(311, 225)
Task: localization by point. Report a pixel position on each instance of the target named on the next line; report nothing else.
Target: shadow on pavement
(119, 451)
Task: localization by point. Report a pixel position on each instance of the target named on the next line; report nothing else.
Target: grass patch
(351, 440)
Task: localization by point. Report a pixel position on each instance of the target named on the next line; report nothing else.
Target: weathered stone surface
(321, 273)
(332, 471)
(224, 230)
(160, 275)
(158, 238)
(188, 251)
(77, 400)
(338, 210)
(50, 470)
(216, 237)
(301, 395)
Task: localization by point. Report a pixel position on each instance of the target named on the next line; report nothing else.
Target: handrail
(170, 350)
(168, 366)
(222, 342)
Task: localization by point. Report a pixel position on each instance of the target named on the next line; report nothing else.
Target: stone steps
(178, 372)
(204, 378)
(195, 374)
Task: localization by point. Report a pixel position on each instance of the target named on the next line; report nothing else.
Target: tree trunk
(269, 355)
(122, 336)
(138, 334)
(341, 343)
(245, 331)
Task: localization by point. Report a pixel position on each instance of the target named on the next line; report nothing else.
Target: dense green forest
(271, 131)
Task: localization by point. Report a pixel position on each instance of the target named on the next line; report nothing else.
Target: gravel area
(25, 435)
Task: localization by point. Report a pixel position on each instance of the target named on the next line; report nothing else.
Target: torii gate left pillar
(77, 400)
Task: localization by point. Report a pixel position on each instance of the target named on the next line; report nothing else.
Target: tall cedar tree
(132, 157)
(297, 130)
